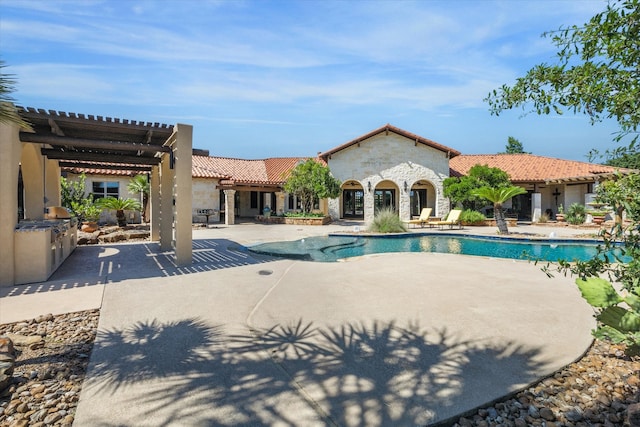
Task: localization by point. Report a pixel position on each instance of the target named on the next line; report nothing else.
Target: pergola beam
(58, 141)
(120, 167)
(98, 157)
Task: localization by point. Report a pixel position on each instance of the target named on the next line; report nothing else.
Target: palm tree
(119, 205)
(8, 113)
(140, 184)
(498, 196)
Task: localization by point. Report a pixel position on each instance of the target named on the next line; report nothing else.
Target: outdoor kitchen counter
(41, 246)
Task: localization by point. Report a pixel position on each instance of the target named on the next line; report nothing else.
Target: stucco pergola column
(52, 182)
(33, 177)
(10, 152)
(154, 204)
(229, 207)
(183, 194)
(166, 203)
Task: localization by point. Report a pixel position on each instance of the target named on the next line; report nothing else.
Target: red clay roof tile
(529, 167)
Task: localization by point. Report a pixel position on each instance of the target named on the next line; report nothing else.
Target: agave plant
(119, 205)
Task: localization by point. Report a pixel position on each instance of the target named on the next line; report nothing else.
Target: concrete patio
(237, 339)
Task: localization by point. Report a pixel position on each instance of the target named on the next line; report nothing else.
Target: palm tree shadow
(353, 374)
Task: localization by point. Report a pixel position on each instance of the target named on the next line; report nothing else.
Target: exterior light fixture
(369, 186)
(405, 186)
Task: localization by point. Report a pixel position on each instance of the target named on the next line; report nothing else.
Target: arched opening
(386, 195)
(352, 200)
(422, 195)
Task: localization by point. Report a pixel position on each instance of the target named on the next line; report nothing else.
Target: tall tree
(597, 73)
(514, 147)
(460, 190)
(311, 181)
(497, 196)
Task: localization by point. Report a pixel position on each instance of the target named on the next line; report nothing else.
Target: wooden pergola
(60, 139)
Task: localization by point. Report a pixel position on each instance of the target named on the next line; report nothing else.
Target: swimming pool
(333, 248)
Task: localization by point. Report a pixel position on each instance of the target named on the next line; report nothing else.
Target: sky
(259, 79)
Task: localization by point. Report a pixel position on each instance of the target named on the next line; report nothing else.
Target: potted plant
(119, 205)
(598, 216)
(88, 214)
(560, 214)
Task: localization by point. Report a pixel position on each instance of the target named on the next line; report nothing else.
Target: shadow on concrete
(355, 374)
(107, 263)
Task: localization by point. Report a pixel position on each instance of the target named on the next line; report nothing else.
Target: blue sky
(276, 78)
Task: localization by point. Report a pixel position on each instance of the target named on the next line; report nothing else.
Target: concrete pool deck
(237, 339)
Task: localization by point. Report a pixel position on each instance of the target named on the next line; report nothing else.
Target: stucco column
(10, 152)
(369, 206)
(154, 204)
(280, 202)
(166, 204)
(33, 174)
(183, 195)
(229, 207)
(52, 182)
(536, 206)
(404, 208)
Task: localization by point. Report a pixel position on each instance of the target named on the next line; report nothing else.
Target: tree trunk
(121, 217)
(501, 222)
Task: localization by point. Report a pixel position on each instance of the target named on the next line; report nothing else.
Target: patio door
(353, 204)
(418, 200)
(384, 199)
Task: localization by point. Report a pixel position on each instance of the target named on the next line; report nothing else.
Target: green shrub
(472, 217)
(387, 221)
(576, 214)
(304, 215)
(544, 218)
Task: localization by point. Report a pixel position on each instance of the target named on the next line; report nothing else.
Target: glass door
(418, 201)
(384, 199)
(353, 204)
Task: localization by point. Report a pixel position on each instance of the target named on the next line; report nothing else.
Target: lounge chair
(422, 219)
(452, 219)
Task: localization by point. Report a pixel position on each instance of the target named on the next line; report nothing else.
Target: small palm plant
(119, 205)
(497, 196)
(139, 184)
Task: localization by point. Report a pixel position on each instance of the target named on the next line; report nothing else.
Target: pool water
(333, 248)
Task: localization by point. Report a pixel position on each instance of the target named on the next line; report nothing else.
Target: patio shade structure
(68, 139)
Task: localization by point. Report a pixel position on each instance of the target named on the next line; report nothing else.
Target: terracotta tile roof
(201, 167)
(390, 128)
(531, 168)
(271, 171)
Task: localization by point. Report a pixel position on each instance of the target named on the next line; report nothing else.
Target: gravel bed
(594, 391)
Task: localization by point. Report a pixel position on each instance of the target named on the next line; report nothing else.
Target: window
(254, 200)
(105, 189)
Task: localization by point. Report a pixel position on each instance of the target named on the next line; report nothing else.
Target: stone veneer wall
(394, 159)
(205, 195)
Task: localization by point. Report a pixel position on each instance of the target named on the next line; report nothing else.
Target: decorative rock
(24, 341)
(633, 415)
(547, 414)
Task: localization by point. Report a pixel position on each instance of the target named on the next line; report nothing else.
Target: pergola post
(154, 204)
(183, 194)
(166, 203)
(10, 152)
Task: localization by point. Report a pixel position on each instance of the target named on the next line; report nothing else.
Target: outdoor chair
(422, 219)
(452, 219)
